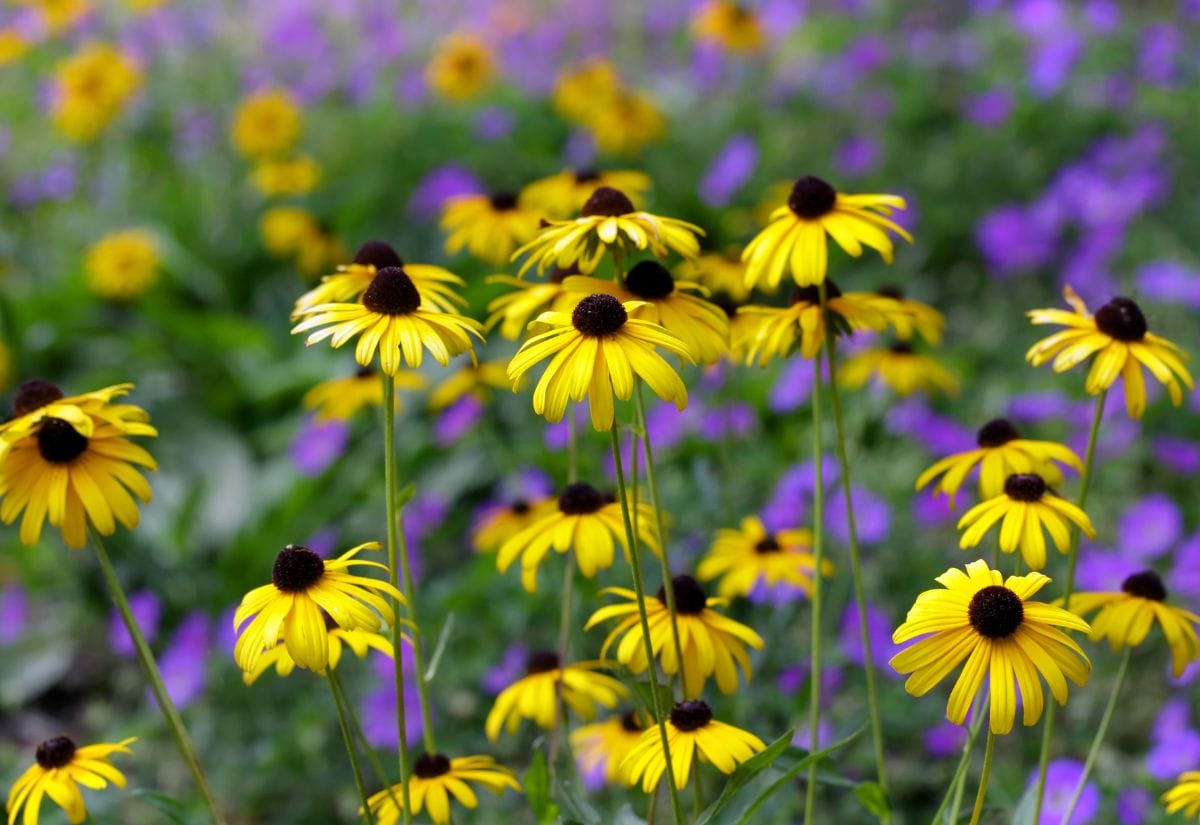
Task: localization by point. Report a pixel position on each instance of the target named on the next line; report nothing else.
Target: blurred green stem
(564, 619)
(959, 782)
(1085, 481)
(814, 671)
(1099, 738)
(356, 727)
(983, 780)
(150, 668)
(351, 751)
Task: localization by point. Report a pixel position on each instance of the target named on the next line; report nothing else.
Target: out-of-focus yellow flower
(93, 85)
(719, 272)
(266, 123)
(13, 45)
(628, 122)
(295, 175)
(285, 229)
(58, 15)
(318, 253)
(564, 194)
(122, 265)
(580, 89)
(904, 371)
(460, 68)
(732, 26)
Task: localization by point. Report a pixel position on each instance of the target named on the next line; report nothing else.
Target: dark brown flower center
(630, 722)
(541, 661)
(811, 198)
(580, 499)
(392, 292)
(33, 395)
(890, 291)
(1122, 319)
(690, 597)
(504, 201)
(608, 202)
(1025, 487)
(812, 294)
(429, 765)
(55, 753)
(1145, 585)
(726, 303)
(587, 175)
(599, 315)
(519, 507)
(297, 569)
(377, 254)
(770, 544)
(365, 372)
(649, 280)
(996, 433)
(59, 442)
(901, 348)
(560, 274)
(691, 715)
(996, 612)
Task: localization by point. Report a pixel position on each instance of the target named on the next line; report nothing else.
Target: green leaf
(873, 798)
(537, 789)
(164, 804)
(406, 494)
(575, 806)
(749, 769)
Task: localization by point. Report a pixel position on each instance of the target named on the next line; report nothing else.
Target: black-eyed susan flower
(60, 769)
(1120, 339)
(585, 521)
(625, 123)
(1185, 796)
(911, 317)
(774, 331)
(795, 239)
(677, 306)
(712, 644)
(286, 176)
(533, 695)
(579, 89)
(394, 318)
(987, 620)
(303, 587)
(489, 227)
(477, 380)
(751, 555)
(266, 123)
(608, 221)
(92, 87)
(1125, 618)
(733, 26)
(900, 368)
(502, 522)
(435, 779)
(122, 265)
(68, 461)
(461, 66)
(513, 310)
(597, 350)
(359, 641)
(1026, 505)
(562, 195)
(692, 733)
(341, 399)
(1002, 452)
(721, 272)
(601, 747)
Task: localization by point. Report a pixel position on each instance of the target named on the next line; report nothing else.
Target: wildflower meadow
(540, 411)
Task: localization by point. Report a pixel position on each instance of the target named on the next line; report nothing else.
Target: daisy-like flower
(795, 239)
(266, 123)
(60, 769)
(1026, 506)
(712, 644)
(674, 305)
(435, 779)
(1185, 796)
(579, 89)
(460, 68)
(692, 733)
(989, 621)
(340, 399)
(913, 317)
(584, 520)
(597, 350)
(733, 26)
(900, 368)
(721, 272)
(394, 318)
(601, 747)
(775, 330)
(1120, 339)
(1002, 452)
(359, 641)
(608, 221)
(533, 695)
(502, 522)
(122, 265)
(751, 554)
(625, 123)
(562, 195)
(489, 227)
(1125, 618)
(472, 379)
(68, 461)
(286, 176)
(290, 608)
(512, 310)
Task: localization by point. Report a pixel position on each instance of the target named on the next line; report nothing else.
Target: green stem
(635, 558)
(351, 752)
(814, 677)
(150, 668)
(356, 727)
(697, 793)
(564, 627)
(1085, 481)
(983, 780)
(393, 524)
(1099, 738)
(958, 783)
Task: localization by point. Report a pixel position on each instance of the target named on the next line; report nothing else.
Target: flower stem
(356, 727)
(564, 619)
(958, 783)
(1085, 481)
(814, 677)
(150, 668)
(1099, 738)
(983, 780)
(393, 524)
(351, 752)
(635, 558)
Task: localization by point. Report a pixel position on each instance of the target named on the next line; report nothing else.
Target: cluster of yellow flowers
(91, 88)
(265, 130)
(621, 120)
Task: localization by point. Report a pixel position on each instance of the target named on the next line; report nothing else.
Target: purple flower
(1169, 282)
(1052, 62)
(872, 516)
(991, 108)
(378, 709)
(1185, 577)
(803, 738)
(858, 156)
(1050, 405)
(1013, 240)
(1102, 16)
(494, 123)
(147, 610)
(183, 663)
(14, 613)
(1149, 528)
(558, 434)
(1039, 18)
(1158, 58)
(438, 185)
(793, 387)
(1178, 454)
(318, 444)
(788, 505)
(1103, 570)
(729, 170)
(944, 739)
(940, 435)
(1062, 775)
(732, 421)
(879, 628)
(1176, 745)
(1133, 806)
(457, 420)
(509, 669)
(932, 511)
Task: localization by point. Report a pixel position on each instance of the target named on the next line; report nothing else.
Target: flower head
(533, 695)
(502, 522)
(564, 194)
(340, 399)
(460, 68)
(266, 123)
(360, 641)
(774, 331)
(513, 310)
(286, 176)
(733, 26)
(579, 89)
(751, 555)
(624, 123)
(122, 265)
(92, 87)
(902, 369)
(60, 769)
(435, 779)
(601, 747)
(475, 380)
(490, 227)
(692, 733)
(1185, 796)
(720, 272)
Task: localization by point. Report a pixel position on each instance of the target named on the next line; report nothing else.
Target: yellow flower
(502, 522)
(395, 318)
(122, 265)
(597, 350)
(472, 379)
(795, 239)
(1125, 618)
(775, 330)
(360, 642)
(290, 607)
(318, 252)
(434, 779)
(13, 45)
(533, 695)
(1185, 796)
(60, 769)
(286, 229)
(581, 88)
(703, 327)
(603, 746)
(608, 222)
(1002, 452)
(562, 195)
(266, 123)
(92, 87)
(67, 461)
(143, 6)
(342, 398)
(296, 175)
(490, 227)
(712, 644)
(730, 25)
(692, 733)
(1026, 506)
(460, 68)
(586, 521)
(513, 310)
(58, 14)
(625, 124)
(1121, 341)
(989, 621)
(742, 558)
(721, 272)
(901, 369)
(910, 317)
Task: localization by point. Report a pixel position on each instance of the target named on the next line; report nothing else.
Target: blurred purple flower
(1169, 282)
(872, 516)
(1133, 806)
(729, 170)
(184, 662)
(793, 386)
(731, 421)
(858, 156)
(789, 503)
(1177, 454)
(457, 420)
(944, 739)
(803, 738)
(933, 511)
(1050, 405)
(147, 610)
(1102, 16)
(318, 445)
(226, 635)
(438, 185)
(1039, 18)
(1185, 577)
(323, 542)
(1147, 529)
(991, 108)
(879, 628)
(1162, 46)
(1052, 62)
(1103, 570)
(378, 709)
(509, 669)
(1176, 746)
(1062, 775)
(1012, 241)
(912, 418)
(494, 123)
(14, 613)
(558, 434)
